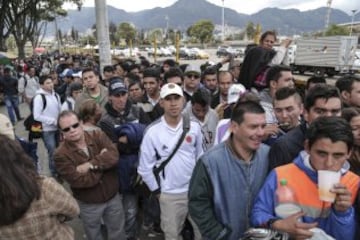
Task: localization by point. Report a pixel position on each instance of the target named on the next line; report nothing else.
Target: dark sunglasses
(192, 76)
(74, 126)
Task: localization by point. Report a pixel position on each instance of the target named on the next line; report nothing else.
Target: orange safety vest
(306, 190)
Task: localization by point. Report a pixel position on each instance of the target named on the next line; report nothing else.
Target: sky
(241, 6)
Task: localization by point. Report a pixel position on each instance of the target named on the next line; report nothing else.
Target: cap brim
(118, 91)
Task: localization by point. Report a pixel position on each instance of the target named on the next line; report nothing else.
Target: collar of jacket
(112, 112)
(71, 146)
(230, 143)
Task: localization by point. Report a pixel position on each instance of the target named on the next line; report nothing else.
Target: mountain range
(184, 13)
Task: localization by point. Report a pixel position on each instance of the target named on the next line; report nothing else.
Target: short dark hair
(7, 70)
(133, 82)
(43, 78)
(265, 34)
(85, 70)
(66, 113)
(334, 128)
(208, 71)
(108, 68)
(320, 92)
(241, 108)
(170, 62)
(173, 72)
(19, 184)
(286, 92)
(201, 96)
(133, 79)
(152, 72)
(315, 80)
(349, 113)
(274, 73)
(345, 83)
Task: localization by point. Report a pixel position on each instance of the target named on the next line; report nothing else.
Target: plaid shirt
(43, 219)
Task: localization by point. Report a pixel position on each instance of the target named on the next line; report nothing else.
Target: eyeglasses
(74, 126)
(192, 76)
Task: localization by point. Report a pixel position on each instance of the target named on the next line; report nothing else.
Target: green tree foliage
(127, 31)
(23, 19)
(156, 34)
(337, 30)
(250, 30)
(114, 37)
(202, 30)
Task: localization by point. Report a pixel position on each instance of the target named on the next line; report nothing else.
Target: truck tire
(319, 71)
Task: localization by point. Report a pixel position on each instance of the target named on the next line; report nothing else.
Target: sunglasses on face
(192, 76)
(74, 126)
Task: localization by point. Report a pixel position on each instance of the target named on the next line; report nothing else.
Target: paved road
(21, 132)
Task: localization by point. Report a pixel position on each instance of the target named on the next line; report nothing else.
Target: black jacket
(287, 147)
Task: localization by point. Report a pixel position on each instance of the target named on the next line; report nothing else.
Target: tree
(250, 30)
(202, 31)
(114, 37)
(22, 18)
(74, 34)
(156, 34)
(127, 31)
(337, 30)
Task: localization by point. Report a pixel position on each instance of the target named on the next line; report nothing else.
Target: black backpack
(35, 127)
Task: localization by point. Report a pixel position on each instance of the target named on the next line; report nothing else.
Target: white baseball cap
(235, 91)
(169, 89)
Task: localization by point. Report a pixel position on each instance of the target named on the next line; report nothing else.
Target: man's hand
(286, 42)
(292, 226)
(342, 199)
(84, 168)
(271, 129)
(123, 139)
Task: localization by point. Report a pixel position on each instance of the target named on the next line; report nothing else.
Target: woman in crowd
(32, 207)
(259, 58)
(90, 113)
(352, 115)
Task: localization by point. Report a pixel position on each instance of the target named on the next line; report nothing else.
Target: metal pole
(352, 21)
(57, 36)
(177, 46)
(102, 30)
(223, 21)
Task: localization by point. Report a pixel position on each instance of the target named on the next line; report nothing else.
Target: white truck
(325, 55)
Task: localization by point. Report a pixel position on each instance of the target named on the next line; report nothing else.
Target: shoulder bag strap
(186, 128)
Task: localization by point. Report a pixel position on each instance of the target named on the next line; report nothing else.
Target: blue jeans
(51, 140)
(111, 212)
(130, 203)
(12, 105)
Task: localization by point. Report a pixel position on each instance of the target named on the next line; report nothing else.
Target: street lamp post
(223, 22)
(352, 20)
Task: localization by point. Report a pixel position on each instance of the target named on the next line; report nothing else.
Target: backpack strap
(69, 104)
(44, 101)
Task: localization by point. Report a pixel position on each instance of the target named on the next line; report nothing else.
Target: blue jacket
(129, 158)
(340, 225)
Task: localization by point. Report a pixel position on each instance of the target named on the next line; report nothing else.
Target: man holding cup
(328, 212)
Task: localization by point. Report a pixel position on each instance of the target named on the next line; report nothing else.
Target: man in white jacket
(158, 143)
(47, 113)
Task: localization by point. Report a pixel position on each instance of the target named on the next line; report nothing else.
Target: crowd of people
(179, 151)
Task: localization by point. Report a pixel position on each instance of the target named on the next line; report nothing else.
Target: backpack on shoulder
(34, 127)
